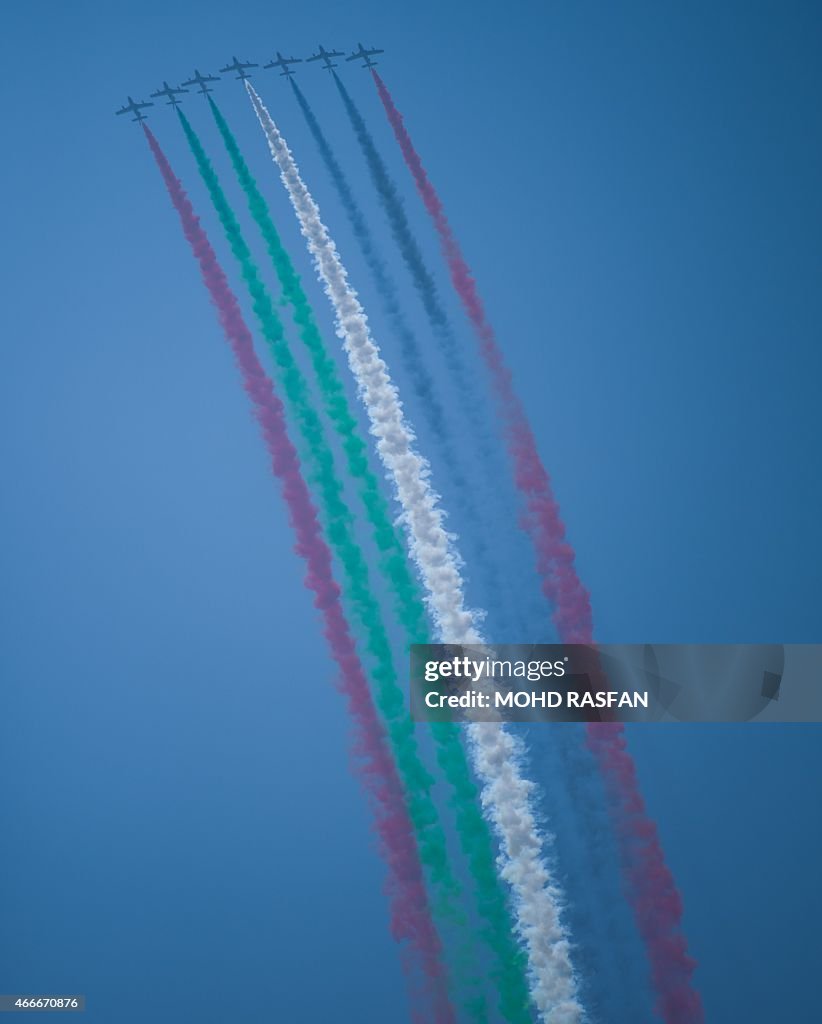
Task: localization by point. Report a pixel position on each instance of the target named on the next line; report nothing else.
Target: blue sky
(636, 188)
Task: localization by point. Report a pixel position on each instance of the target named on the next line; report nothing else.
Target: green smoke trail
(475, 838)
(394, 558)
(389, 697)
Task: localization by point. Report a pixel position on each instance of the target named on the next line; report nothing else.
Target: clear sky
(636, 186)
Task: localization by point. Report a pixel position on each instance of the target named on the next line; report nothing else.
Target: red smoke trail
(655, 900)
(410, 915)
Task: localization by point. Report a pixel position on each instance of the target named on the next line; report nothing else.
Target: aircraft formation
(240, 70)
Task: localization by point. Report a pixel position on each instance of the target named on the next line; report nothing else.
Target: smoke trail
(394, 558)
(656, 902)
(391, 699)
(655, 899)
(394, 563)
(555, 556)
(423, 281)
(409, 347)
(615, 965)
(506, 795)
(586, 903)
(389, 696)
(495, 583)
(404, 237)
(411, 919)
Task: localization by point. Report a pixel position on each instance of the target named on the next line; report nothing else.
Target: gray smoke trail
(495, 752)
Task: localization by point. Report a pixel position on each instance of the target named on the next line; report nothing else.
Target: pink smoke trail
(655, 900)
(410, 914)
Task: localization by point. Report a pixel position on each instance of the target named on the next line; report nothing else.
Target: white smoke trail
(495, 753)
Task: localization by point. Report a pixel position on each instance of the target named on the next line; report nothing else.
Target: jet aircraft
(171, 93)
(365, 56)
(133, 107)
(283, 62)
(239, 67)
(201, 81)
(325, 55)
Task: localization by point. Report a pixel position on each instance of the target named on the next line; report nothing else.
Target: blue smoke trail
(611, 956)
(483, 537)
(421, 380)
(404, 237)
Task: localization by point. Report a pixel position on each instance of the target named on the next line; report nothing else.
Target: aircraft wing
(122, 110)
(314, 56)
(354, 56)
